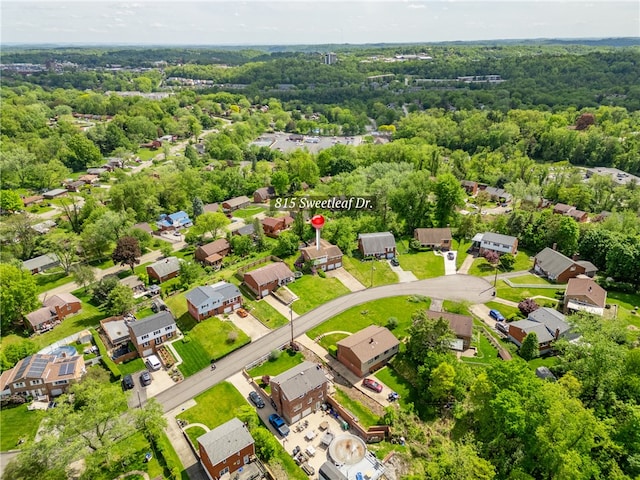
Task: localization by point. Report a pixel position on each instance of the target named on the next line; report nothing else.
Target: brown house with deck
(212, 253)
(328, 257)
(367, 350)
(264, 280)
(460, 325)
(436, 238)
(273, 226)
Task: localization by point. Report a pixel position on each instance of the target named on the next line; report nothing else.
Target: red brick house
(264, 280)
(378, 245)
(273, 226)
(460, 325)
(212, 253)
(328, 257)
(63, 304)
(586, 295)
(206, 301)
(436, 238)
(225, 449)
(235, 203)
(299, 391)
(264, 194)
(151, 332)
(470, 187)
(367, 350)
(164, 269)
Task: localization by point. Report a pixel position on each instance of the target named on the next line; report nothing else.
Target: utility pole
(291, 322)
(372, 270)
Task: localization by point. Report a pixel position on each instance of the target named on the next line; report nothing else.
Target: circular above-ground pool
(64, 351)
(347, 449)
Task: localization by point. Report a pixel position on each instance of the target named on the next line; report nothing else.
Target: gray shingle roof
(550, 318)
(552, 262)
(529, 326)
(41, 261)
(150, 324)
(299, 380)
(222, 291)
(166, 266)
(226, 440)
(377, 243)
(499, 238)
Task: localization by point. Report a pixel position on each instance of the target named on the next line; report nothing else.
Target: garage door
(338, 265)
(295, 418)
(265, 293)
(56, 392)
(306, 412)
(146, 353)
(227, 310)
(331, 267)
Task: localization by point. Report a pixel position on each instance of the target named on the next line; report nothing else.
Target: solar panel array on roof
(37, 367)
(67, 368)
(23, 367)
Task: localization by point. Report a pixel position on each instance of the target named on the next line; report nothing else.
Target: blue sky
(261, 22)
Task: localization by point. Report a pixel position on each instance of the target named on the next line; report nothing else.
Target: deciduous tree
(211, 223)
(529, 348)
(127, 252)
(18, 295)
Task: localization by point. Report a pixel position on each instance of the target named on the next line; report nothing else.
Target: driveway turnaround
(453, 287)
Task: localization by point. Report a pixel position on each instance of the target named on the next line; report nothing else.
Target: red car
(372, 385)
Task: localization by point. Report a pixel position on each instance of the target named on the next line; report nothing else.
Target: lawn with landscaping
(421, 264)
(249, 212)
(314, 291)
(208, 340)
(377, 312)
(329, 342)
(362, 271)
(357, 409)
(277, 364)
(486, 353)
(516, 294)
(147, 154)
(18, 423)
(530, 279)
(625, 303)
(396, 382)
(132, 366)
(51, 279)
(482, 268)
(506, 310)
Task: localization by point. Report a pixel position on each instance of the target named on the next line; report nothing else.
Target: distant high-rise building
(330, 58)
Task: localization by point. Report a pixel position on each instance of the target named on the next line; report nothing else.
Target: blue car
(496, 315)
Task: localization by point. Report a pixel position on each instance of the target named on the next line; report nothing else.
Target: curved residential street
(452, 287)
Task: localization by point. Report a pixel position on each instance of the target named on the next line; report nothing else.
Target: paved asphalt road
(453, 287)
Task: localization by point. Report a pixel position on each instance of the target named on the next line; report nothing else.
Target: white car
(153, 362)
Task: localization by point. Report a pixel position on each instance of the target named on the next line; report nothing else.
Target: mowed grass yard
(51, 279)
(18, 423)
(382, 273)
(215, 406)
(287, 359)
(248, 212)
(516, 294)
(313, 291)
(482, 268)
(421, 264)
(376, 312)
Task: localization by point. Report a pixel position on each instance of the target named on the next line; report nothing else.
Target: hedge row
(110, 364)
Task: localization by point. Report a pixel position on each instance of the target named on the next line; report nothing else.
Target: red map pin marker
(317, 221)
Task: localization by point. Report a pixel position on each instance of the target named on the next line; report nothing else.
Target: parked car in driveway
(395, 262)
(256, 399)
(127, 382)
(278, 423)
(372, 385)
(496, 315)
(451, 256)
(145, 378)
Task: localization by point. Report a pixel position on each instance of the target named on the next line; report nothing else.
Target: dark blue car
(496, 315)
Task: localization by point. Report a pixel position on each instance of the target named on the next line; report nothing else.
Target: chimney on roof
(590, 288)
(575, 257)
(371, 341)
(555, 246)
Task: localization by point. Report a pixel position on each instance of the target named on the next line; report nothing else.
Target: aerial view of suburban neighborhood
(338, 261)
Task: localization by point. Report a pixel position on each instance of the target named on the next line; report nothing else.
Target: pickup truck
(278, 424)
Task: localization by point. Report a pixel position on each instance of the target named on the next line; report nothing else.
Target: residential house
(55, 193)
(89, 179)
(327, 257)
(208, 300)
(263, 194)
(245, 230)
(212, 253)
(367, 350)
(116, 329)
(63, 304)
(560, 268)
(41, 263)
(460, 325)
(578, 215)
(470, 187)
(135, 284)
(96, 171)
(585, 295)
(379, 245)
(210, 208)
(562, 209)
(299, 391)
(41, 320)
(499, 195)
(32, 200)
(74, 186)
(175, 221)
(226, 449)
(144, 226)
(164, 269)
(273, 226)
(495, 242)
(42, 375)
(236, 203)
(436, 238)
(264, 280)
(44, 227)
(548, 324)
(151, 332)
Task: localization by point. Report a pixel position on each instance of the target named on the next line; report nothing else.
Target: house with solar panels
(42, 375)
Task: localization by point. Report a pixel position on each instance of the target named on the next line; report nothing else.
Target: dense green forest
(558, 109)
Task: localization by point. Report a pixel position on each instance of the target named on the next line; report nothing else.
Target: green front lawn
(332, 340)
(546, 361)
(132, 366)
(194, 433)
(461, 248)
(422, 264)
(505, 310)
(376, 312)
(147, 154)
(207, 340)
(362, 413)
(51, 279)
(486, 352)
(530, 279)
(288, 359)
(248, 212)
(392, 379)
(482, 268)
(314, 291)
(18, 423)
(215, 406)
(516, 294)
(382, 273)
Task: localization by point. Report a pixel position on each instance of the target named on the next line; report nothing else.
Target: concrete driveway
(347, 279)
(482, 312)
(249, 325)
(160, 382)
(404, 276)
(450, 264)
